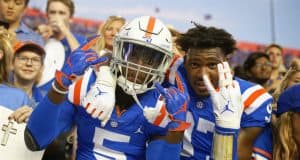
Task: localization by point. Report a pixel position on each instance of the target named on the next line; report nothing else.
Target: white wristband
(58, 90)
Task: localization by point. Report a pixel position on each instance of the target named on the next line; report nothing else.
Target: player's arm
(254, 122)
(262, 147)
(45, 124)
(169, 113)
(228, 109)
(246, 139)
(165, 147)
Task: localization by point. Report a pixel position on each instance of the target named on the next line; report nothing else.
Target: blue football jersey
(125, 135)
(198, 138)
(263, 146)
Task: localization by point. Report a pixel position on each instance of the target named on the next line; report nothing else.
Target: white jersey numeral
(103, 152)
(203, 126)
(188, 149)
(269, 110)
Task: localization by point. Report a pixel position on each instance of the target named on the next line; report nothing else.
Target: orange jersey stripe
(179, 83)
(253, 97)
(181, 88)
(150, 27)
(77, 91)
(160, 118)
(175, 58)
(89, 44)
(262, 152)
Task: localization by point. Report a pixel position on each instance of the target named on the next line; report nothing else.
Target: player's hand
(77, 63)
(21, 115)
(227, 100)
(174, 102)
(100, 99)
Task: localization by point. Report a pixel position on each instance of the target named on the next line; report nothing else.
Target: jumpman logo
(226, 108)
(99, 92)
(139, 130)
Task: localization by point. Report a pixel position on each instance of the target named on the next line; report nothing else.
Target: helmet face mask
(141, 57)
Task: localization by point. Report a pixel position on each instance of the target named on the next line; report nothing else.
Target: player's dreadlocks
(207, 37)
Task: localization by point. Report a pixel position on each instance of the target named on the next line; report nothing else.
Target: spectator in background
(282, 140)
(294, 76)
(239, 71)
(59, 14)
(108, 30)
(11, 12)
(13, 108)
(291, 78)
(11, 97)
(275, 53)
(257, 68)
(27, 69)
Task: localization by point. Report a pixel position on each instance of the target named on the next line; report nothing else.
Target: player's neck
(123, 100)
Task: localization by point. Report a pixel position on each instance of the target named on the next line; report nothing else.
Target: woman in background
(108, 30)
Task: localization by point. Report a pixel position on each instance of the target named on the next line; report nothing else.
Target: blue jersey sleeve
(162, 150)
(257, 105)
(263, 145)
(48, 120)
(259, 118)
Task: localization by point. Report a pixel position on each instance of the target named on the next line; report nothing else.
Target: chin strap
(136, 99)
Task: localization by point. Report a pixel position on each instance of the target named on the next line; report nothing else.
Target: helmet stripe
(150, 27)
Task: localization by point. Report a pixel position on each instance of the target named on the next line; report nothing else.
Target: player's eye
(212, 65)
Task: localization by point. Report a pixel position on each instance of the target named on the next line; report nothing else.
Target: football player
(107, 104)
(205, 48)
(219, 128)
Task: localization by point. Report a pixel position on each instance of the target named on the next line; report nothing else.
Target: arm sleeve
(162, 150)
(263, 146)
(258, 118)
(257, 105)
(47, 121)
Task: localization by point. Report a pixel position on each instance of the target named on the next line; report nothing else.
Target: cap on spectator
(29, 45)
(289, 100)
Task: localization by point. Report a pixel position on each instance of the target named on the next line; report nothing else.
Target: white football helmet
(142, 53)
